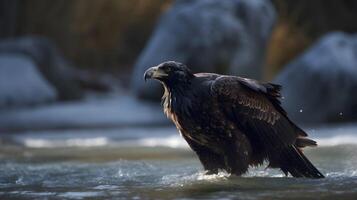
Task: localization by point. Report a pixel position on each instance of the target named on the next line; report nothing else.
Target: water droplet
(19, 181)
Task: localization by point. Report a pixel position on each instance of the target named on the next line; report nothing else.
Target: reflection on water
(156, 164)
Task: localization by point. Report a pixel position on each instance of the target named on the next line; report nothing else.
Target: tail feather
(293, 161)
(302, 142)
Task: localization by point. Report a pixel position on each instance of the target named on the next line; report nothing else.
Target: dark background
(110, 34)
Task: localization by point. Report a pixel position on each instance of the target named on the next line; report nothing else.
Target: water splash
(221, 175)
(175, 180)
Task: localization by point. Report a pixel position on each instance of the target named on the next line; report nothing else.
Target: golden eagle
(232, 122)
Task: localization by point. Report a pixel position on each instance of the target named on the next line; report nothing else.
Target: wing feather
(255, 108)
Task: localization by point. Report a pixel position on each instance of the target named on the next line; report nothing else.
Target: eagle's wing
(256, 110)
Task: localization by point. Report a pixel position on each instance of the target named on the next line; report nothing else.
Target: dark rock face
(320, 85)
(21, 84)
(212, 35)
(49, 61)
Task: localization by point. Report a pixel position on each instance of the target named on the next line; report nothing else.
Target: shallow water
(155, 163)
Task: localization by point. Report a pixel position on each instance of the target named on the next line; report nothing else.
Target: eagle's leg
(211, 161)
(238, 154)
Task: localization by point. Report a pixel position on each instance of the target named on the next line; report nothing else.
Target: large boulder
(21, 84)
(212, 35)
(49, 62)
(321, 84)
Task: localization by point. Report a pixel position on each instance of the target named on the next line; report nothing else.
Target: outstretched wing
(256, 110)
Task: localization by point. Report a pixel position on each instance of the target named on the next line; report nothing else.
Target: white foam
(106, 187)
(221, 175)
(171, 141)
(80, 195)
(184, 179)
(74, 142)
(162, 138)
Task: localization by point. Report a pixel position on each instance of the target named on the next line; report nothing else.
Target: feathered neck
(176, 98)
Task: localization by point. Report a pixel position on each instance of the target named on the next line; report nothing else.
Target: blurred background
(67, 51)
(71, 85)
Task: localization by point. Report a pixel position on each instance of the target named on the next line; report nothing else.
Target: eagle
(231, 122)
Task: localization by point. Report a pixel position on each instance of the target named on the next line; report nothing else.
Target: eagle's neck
(176, 100)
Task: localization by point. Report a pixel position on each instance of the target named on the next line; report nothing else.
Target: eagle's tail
(296, 163)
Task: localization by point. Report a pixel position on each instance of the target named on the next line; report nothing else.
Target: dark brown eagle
(232, 122)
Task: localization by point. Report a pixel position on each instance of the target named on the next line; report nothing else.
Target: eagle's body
(231, 122)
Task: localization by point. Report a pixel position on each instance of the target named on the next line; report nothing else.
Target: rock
(21, 83)
(213, 36)
(321, 84)
(49, 61)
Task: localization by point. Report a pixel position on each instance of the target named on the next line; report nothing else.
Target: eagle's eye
(166, 68)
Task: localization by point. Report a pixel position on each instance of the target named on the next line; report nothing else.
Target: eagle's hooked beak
(154, 73)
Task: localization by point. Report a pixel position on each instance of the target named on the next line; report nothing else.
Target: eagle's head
(169, 73)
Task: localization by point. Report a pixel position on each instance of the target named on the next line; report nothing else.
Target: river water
(155, 163)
